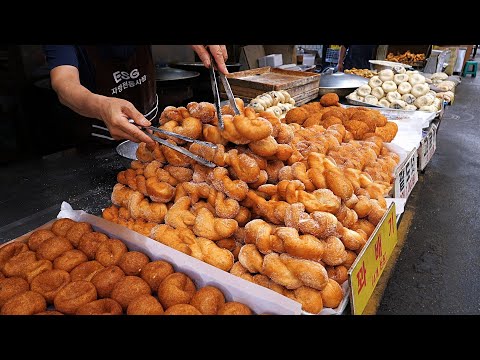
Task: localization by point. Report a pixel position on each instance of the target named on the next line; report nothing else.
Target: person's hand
(340, 67)
(219, 53)
(116, 112)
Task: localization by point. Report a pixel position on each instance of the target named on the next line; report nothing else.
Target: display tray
(361, 103)
(300, 99)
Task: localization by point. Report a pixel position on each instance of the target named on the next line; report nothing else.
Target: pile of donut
(276, 102)
(399, 89)
(289, 206)
(70, 269)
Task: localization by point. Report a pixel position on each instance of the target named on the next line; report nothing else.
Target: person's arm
(219, 53)
(341, 57)
(114, 112)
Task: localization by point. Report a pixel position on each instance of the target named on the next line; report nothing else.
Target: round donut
(145, 305)
(182, 309)
(389, 86)
(154, 273)
(38, 237)
(386, 75)
(17, 265)
(351, 257)
(338, 273)
(86, 271)
(176, 288)
(90, 242)
(75, 233)
(110, 252)
(36, 268)
(49, 312)
(332, 294)
(61, 226)
(49, 283)
(69, 260)
(11, 287)
(10, 250)
(132, 262)
(106, 279)
(74, 295)
(52, 248)
(128, 289)
(208, 300)
(234, 308)
(100, 307)
(26, 303)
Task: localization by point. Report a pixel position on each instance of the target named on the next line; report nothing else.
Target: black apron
(125, 72)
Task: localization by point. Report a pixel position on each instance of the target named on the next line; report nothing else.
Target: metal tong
(180, 149)
(216, 95)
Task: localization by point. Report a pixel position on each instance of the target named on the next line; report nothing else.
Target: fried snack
(387, 132)
(26, 303)
(110, 252)
(357, 128)
(351, 257)
(339, 184)
(207, 226)
(106, 279)
(75, 233)
(252, 126)
(319, 224)
(353, 240)
(86, 271)
(251, 259)
(179, 216)
(264, 281)
(243, 166)
(128, 289)
(208, 300)
(10, 250)
(215, 256)
(334, 253)
(11, 287)
(69, 260)
(52, 248)
(234, 308)
(189, 126)
(310, 299)
(338, 273)
(235, 189)
(61, 226)
(133, 262)
(159, 191)
(296, 115)
(100, 307)
(182, 309)
(154, 273)
(90, 242)
(49, 312)
(332, 294)
(74, 295)
(17, 265)
(213, 134)
(203, 111)
(176, 288)
(330, 99)
(145, 305)
(364, 225)
(171, 113)
(49, 283)
(238, 270)
(38, 237)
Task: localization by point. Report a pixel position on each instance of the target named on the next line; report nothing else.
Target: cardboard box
(406, 175)
(272, 60)
(427, 147)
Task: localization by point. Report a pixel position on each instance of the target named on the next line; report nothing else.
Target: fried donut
(310, 299)
(52, 248)
(110, 252)
(351, 257)
(26, 303)
(100, 307)
(11, 287)
(74, 295)
(106, 279)
(145, 305)
(296, 115)
(69, 260)
(90, 242)
(154, 273)
(49, 312)
(36, 268)
(330, 99)
(182, 309)
(86, 271)
(49, 283)
(10, 250)
(338, 273)
(332, 294)
(75, 233)
(334, 253)
(133, 262)
(208, 300)
(176, 288)
(38, 237)
(2, 276)
(18, 264)
(61, 226)
(128, 289)
(234, 308)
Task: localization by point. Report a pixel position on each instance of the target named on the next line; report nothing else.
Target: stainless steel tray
(361, 103)
(128, 149)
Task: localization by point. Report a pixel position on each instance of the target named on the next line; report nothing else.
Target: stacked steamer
(406, 90)
(290, 204)
(70, 269)
(276, 102)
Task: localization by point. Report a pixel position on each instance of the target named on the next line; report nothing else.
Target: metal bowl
(128, 150)
(340, 83)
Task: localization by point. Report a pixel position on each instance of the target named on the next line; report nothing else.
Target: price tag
(427, 148)
(368, 267)
(407, 176)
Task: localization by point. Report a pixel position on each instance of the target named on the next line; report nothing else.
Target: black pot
(174, 86)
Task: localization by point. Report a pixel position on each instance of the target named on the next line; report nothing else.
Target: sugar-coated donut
(234, 308)
(90, 242)
(38, 237)
(154, 273)
(133, 262)
(61, 226)
(338, 273)
(106, 279)
(182, 309)
(100, 307)
(110, 252)
(11, 287)
(86, 271)
(176, 288)
(26, 303)
(128, 289)
(74, 295)
(75, 233)
(69, 260)
(49, 283)
(52, 248)
(332, 294)
(145, 305)
(208, 300)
